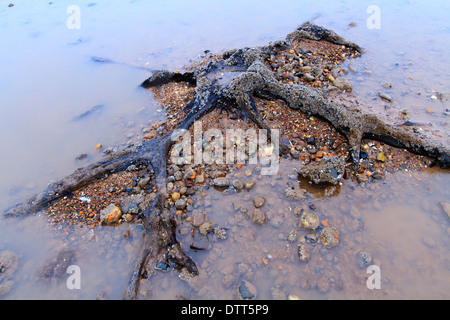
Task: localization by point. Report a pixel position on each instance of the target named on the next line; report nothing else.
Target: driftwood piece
(246, 76)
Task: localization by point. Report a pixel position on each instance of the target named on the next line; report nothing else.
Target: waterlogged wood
(246, 76)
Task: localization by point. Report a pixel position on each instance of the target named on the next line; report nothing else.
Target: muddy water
(403, 230)
(49, 80)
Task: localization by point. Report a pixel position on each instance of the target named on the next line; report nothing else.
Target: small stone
(381, 157)
(385, 96)
(292, 237)
(205, 228)
(143, 182)
(162, 266)
(311, 140)
(258, 217)
(221, 182)
(295, 193)
(308, 77)
(180, 204)
(295, 154)
(364, 259)
(200, 241)
(329, 236)
(237, 184)
(343, 84)
(311, 237)
(178, 175)
(326, 171)
(183, 190)
(150, 135)
(259, 202)
(175, 196)
(246, 291)
(297, 211)
(110, 214)
(249, 185)
(198, 218)
(303, 253)
(220, 233)
(128, 217)
(126, 234)
(308, 221)
(200, 178)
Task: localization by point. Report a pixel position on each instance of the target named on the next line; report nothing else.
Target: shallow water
(48, 79)
(404, 230)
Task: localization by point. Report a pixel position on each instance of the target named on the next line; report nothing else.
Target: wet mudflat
(377, 224)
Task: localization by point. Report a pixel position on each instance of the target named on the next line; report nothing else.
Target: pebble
(297, 210)
(381, 157)
(343, 84)
(178, 175)
(385, 96)
(329, 236)
(364, 259)
(128, 217)
(198, 218)
(249, 185)
(200, 178)
(246, 291)
(205, 228)
(221, 182)
(175, 196)
(180, 204)
(311, 237)
(295, 193)
(237, 184)
(110, 214)
(303, 253)
(199, 241)
(295, 154)
(258, 217)
(308, 221)
(308, 77)
(259, 202)
(292, 237)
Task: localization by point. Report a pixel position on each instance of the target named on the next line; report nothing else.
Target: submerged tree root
(231, 83)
